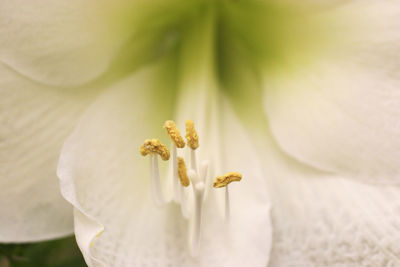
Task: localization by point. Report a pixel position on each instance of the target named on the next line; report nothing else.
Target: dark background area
(56, 253)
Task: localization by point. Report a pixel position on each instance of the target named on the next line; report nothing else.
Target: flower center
(189, 186)
(260, 35)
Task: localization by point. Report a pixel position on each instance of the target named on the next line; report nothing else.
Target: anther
(185, 182)
(152, 146)
(191, 135)
(182, 172)
(174, 134)
(193, 142)
(224, 180)
(143, 151)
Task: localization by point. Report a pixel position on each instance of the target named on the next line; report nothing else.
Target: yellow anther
(224, 180)
(174, 134)
(191, 135)
(182, 173)
(143, 151)
(151, 146)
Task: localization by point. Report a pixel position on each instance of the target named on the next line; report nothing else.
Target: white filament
(184, 203)
(155, 183)
(203, 171)
(175, 179)
(193, 160)
(195, 229)
(227, 204)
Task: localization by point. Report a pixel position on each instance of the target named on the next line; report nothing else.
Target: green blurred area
(56, 253)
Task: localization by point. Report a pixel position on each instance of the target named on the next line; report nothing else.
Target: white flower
(325, 75)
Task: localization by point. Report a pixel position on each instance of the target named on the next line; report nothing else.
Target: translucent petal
(54, 42)
(340, 114)
(35, 120)
(70, 43)
(329, 220)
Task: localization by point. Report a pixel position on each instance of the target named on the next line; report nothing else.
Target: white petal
(69, 43)
(227, 146)
(104, 176)
(35, 120)
(326, 220)
(250, 233)
(54, 42)
(341, 113)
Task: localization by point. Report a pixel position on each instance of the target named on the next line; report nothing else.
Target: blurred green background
(56, 253)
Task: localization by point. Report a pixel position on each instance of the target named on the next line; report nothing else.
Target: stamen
(195, 229)
(178, 142)
(155, 183)
(182, 172)
(174, 134)
(226, 179)
(151, 146)
(191, 135)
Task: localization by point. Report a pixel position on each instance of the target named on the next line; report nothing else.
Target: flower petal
(103, 175)
(329, 220)
(341, 113)
(54, 42)
(100, 174)
(228, 147)
(35, 120)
